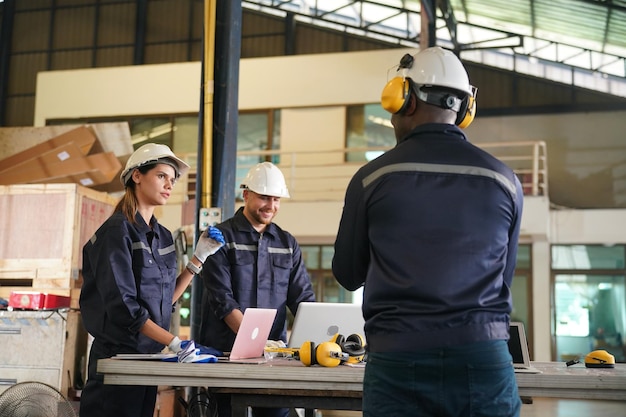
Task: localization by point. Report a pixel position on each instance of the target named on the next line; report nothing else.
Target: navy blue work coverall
(252, 270)
(431, 228)
(129, 273)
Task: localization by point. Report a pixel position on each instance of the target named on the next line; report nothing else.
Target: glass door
(589, 300)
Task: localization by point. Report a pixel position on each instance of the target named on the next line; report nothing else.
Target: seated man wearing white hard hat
(260, 266)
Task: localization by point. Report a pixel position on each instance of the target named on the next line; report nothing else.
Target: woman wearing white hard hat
(130, 281)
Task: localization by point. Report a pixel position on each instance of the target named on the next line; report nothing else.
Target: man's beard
(262, 220)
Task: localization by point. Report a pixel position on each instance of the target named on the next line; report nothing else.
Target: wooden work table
(287, 383)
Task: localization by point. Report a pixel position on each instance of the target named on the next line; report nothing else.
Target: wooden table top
(555, 379)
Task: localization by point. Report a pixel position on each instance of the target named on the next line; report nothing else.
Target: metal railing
(323, 175)
(528, 159)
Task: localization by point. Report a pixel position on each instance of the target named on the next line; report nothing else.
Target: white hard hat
(438, 67)
(266, 179)
(438, 78)
(152, 153)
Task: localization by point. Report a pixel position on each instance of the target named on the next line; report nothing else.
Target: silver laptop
(518, 347)
(319, 322)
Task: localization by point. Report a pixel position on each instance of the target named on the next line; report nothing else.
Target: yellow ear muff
(466, 114)
(328, 354)
(307, 353)
(356, 337)
(354, 346)
(396, 94)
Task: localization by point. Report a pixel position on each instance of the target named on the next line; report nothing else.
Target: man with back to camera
(430, 229)
(261, 266)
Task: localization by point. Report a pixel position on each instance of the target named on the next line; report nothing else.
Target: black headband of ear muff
(448, 100)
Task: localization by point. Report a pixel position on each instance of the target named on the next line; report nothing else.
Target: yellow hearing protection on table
(327, 354)
(599, 359)
(353, 345)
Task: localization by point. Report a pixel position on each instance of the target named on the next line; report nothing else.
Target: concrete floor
(543, 407)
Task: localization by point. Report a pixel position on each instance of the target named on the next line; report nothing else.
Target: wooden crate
(43, 229)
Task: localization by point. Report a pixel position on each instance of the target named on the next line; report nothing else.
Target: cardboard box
(89, 155)
(65, 163)
(87, 170)
(82, 137)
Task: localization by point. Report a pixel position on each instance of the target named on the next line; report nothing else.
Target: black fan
(34, 399)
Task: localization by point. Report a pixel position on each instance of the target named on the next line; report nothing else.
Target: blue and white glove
(209, 242)
(187, 351)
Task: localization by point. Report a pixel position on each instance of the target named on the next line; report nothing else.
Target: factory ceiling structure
(578, 42)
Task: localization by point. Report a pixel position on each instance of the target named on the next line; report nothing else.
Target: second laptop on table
(318, 322)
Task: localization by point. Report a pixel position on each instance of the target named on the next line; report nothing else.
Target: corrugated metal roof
(599, 25)
(588, 36)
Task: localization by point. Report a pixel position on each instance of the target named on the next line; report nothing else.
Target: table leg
(238, 409)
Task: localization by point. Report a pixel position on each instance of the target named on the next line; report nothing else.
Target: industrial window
(589, 299)
(318, 261)
(258, 140)
(367, 126)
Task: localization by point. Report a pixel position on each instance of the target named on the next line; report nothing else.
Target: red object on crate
(31, 300)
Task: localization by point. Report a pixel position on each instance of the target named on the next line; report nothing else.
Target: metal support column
(6, 37)
(428, 35)
(140, 32)
(219, 117)
(226, 107)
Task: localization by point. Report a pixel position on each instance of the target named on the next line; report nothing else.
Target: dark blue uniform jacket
(430, 229)
(129, 273)
(251, 270)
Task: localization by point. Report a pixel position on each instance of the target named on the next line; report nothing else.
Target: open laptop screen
(518, 346)
(318, 322)
(253, 332)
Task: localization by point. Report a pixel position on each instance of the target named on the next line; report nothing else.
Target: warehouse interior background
(305, 78)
